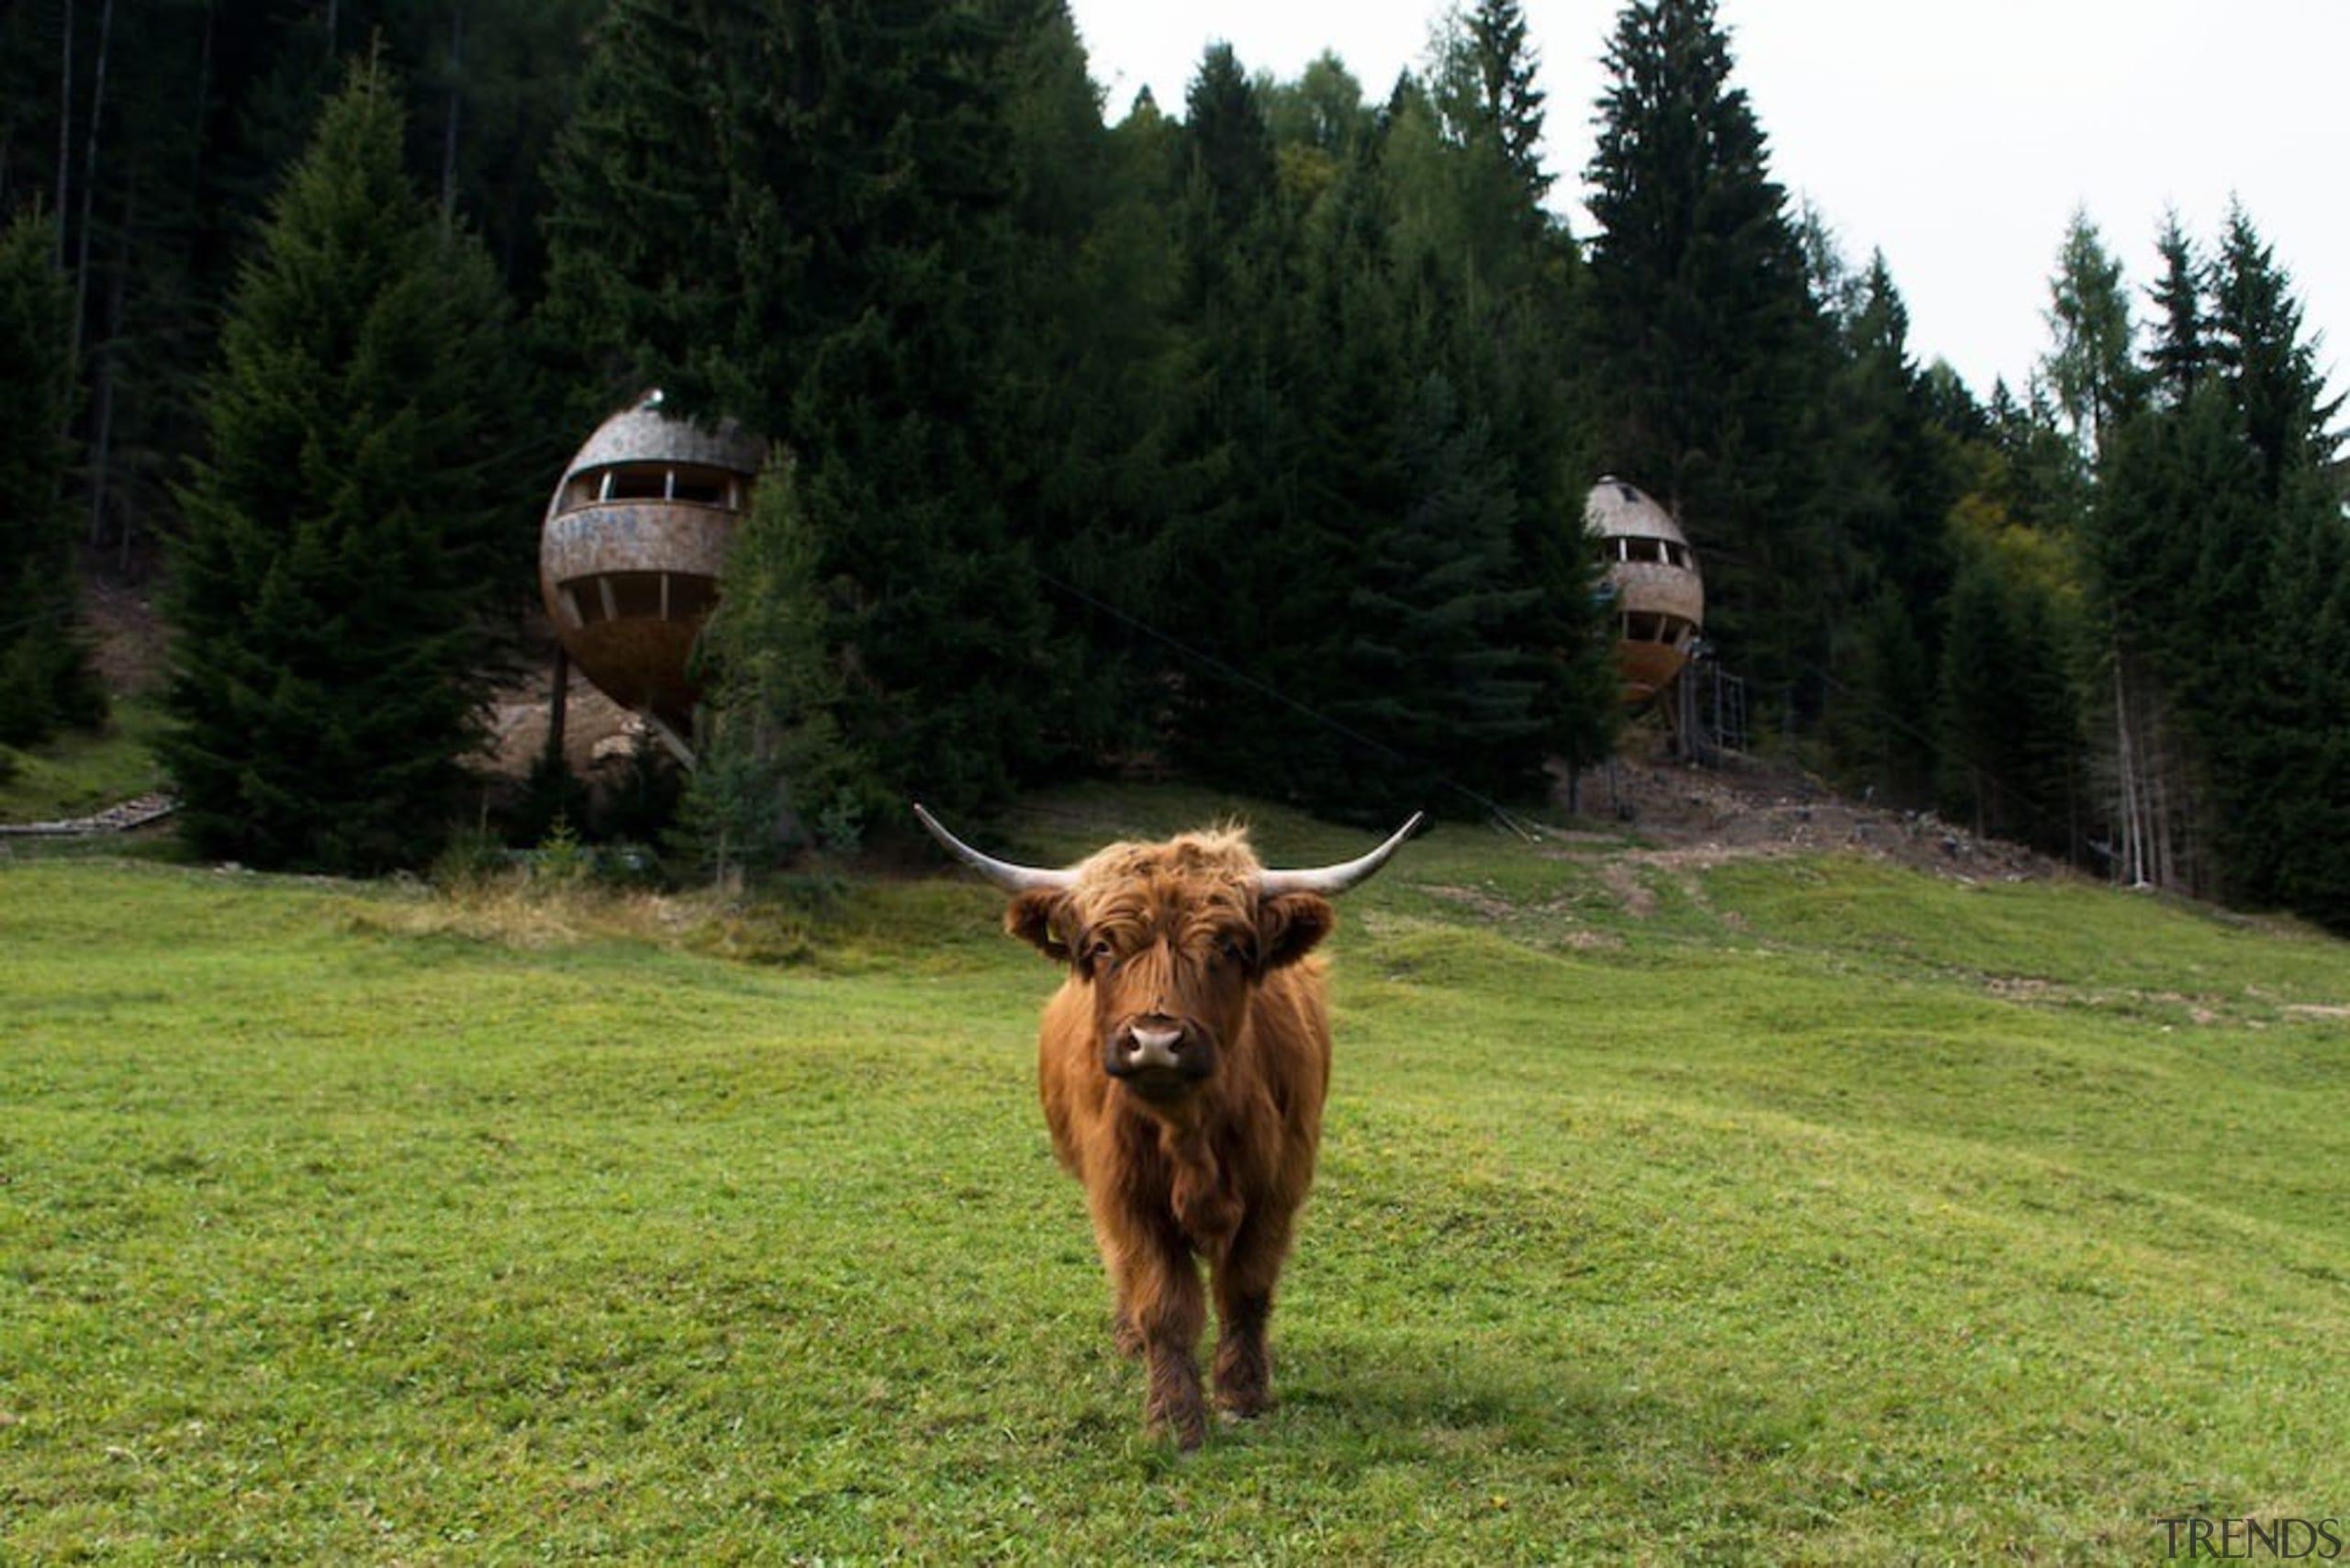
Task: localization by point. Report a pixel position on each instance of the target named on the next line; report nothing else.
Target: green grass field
(1816, 1212)
(79, 773)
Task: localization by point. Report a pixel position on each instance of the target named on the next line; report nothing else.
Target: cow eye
(1232, 950)
(1099, 952)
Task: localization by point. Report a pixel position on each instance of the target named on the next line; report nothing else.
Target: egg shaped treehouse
(630, 550)
(1655, 591)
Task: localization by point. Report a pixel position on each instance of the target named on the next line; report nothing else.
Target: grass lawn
(1816, 1212)
(79, 773)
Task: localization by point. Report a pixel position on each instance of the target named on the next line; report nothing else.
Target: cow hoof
(1187, 1433)
(1236, 1407)
(1178, 1412)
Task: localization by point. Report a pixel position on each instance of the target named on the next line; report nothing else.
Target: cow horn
(1332, 879)
(1012, 879)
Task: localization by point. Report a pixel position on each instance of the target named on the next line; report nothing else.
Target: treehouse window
(635, 593)
(703, 486)
(1655, 626)
(584, 601)
(690, 597)
(636, 484)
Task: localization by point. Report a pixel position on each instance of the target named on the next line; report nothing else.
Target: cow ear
(1290, 926)
(1041, 918)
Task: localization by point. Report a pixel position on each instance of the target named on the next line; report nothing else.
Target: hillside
(1753, 807)
(1776, 1208)
(1647, 802)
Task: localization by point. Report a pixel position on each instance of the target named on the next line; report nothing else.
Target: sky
(1957, 137)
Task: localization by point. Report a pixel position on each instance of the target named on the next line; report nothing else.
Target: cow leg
(1124, 1332)
(1161, 1289)
(1125, 1335)
(1243, 1279)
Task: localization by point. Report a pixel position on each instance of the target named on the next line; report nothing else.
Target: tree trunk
(90, 178)
(456, 104)
(102, 377)
(2129, 864)
(64, 134)
(203, 97)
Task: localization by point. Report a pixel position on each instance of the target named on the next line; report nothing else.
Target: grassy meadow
(81, 772)
(1790, 1211)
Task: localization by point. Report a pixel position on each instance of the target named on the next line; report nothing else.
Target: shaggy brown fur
(1210, 1156)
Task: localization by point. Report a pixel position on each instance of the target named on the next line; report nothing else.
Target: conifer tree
(1897, 484)
(2290, 843)
(2007, 710)
(877, 204)
(1705, 359)
(644, 286)
(2200, 500)
(1485, 90)
(840, 258)
(1243, 435)
(2180, 353)
(1228, 143)
(2259, 351)
(180, 118)
(2172, 481)
(1430, 667)
(45, 679)
(771, 773)
(2089, 368)
(349, 536)
(1080, 392)
(1490, 285)
(2257, 667)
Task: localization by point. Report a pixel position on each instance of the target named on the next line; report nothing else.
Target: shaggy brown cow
(1183, 1066)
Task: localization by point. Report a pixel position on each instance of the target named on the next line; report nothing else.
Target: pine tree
(1080, 390)
(1429, 667)
(644, 286)
(2257, 665)
(45, 679)
(1896, 485)
(1979, 680)
(2290, 845)
(2173, 485)
(1239, 568)
(2269, 366)
(1228, 143)
(1485, 90)
(2089, 369)
(1704, 356)
(155, 132)
(879, 206)
(1489, 287)
(849, 255)
(348, 538)
(2199, 500)
(2008, 708)
(770, 773)
(2180, 353)
(1324, 571)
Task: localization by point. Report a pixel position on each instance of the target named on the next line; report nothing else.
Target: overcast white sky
(1957, 136)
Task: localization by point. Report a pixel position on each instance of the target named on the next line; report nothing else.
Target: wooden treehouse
(631, 549)
(1654, 589)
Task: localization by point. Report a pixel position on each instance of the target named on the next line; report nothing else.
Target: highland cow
(1183, 1064)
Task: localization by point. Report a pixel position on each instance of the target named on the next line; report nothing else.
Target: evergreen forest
(1245, 438)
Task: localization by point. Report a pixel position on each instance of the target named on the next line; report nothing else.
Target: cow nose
(1153, 1042)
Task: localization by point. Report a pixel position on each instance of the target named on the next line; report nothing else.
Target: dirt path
(121, 818)
(1698, 818)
